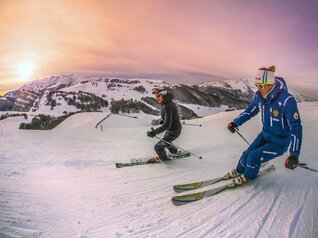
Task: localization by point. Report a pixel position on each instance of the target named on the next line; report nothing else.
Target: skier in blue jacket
(281, 126)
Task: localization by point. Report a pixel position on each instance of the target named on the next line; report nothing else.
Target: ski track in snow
(63, 183)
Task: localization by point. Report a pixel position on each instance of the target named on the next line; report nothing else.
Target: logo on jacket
(275, 113)
(296, 115)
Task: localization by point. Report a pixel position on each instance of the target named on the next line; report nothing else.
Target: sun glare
(25, 71)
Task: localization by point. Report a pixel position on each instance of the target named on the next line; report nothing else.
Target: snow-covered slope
(63, 182)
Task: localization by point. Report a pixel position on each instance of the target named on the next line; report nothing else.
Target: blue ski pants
(257, 153)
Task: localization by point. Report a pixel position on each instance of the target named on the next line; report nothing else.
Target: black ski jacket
(169, 115)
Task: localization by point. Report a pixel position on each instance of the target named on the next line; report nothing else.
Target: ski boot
(232, 174)
(170, 155)
(240, 180)
(153, 160)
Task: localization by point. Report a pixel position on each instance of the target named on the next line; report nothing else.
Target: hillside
(60, 95)
(63, 182)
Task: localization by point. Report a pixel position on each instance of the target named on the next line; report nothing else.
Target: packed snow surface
(63, 182)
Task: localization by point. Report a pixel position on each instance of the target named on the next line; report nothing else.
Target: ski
(132, 163)
(179, 188)
(179, 156)
(135, 162)
(191, 186)
(188, 198)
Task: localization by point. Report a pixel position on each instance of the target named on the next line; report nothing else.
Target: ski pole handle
(169, 143)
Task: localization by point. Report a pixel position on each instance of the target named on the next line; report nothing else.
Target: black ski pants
(161, 145)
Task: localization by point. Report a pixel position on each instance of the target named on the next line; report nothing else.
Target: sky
(179, 41)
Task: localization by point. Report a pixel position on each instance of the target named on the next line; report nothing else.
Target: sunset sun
(25, 71)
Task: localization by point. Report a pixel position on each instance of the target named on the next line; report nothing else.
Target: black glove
(232, 126)
(151, 133)
(161, 122)
(291, 162)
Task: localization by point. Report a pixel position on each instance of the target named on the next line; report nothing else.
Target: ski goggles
(156, 90)
(159, 90)
(158, 95)
(260, 85)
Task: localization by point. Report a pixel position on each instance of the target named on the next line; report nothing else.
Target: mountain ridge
(70, 93)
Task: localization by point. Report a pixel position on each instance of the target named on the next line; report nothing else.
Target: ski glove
(232, 126)
(291, 162)
(151, 133)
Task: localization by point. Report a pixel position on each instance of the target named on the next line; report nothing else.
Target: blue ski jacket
(280, 117)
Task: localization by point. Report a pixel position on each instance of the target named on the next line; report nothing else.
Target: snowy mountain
(63, 182)
(68, 93)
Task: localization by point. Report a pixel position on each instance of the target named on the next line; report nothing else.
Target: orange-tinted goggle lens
(158, 95)
(260, 85)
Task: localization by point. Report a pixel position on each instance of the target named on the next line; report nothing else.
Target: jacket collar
(167, 98)
(273, 94)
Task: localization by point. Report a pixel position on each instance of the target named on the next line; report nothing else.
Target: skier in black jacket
(169, 122)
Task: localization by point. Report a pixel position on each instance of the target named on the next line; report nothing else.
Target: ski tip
(175, 189)
(177, 202)
(187, 198)
(186, 187)
(178, 190)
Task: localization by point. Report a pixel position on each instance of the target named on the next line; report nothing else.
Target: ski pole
(169, 143)
(304, 166)
(102, 120)
(242, 136)
(248, 144)
(114, 114)
(125, 115)
(191, 124)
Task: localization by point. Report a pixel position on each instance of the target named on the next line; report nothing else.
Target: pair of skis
(188, 198)
(192, 197)
(135, 162)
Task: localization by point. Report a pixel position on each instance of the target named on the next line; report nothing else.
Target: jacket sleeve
(294, 122)
(167, 120)
(249, 112)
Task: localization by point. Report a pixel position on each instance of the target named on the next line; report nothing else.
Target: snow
(203, 111)
(63, 182)
(113, 88)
